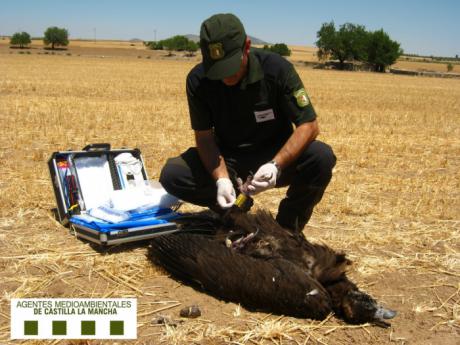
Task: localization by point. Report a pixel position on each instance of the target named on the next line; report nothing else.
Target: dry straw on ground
(393, 204)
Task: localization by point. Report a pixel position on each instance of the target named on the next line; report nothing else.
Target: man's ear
(247, 45)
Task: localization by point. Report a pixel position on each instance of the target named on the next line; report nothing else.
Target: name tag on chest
(264, 115)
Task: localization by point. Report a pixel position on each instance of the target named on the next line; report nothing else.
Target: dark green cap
(222, 38)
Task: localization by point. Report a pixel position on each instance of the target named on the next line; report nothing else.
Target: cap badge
(216, 51)
(301, 97)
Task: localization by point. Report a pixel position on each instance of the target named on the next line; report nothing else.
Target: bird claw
(243, 187)
(241, 242)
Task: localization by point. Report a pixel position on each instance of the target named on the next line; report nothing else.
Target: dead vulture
(250, 259)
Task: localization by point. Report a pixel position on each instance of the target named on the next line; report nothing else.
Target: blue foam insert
(154, 216)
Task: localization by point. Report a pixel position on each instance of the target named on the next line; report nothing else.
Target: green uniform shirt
(258, 113)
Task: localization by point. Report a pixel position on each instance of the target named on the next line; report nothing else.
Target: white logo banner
(73, 318)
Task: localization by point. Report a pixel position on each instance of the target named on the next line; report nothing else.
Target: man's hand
(264, 178)
(226, 195)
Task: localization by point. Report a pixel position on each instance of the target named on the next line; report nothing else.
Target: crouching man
(243, 107)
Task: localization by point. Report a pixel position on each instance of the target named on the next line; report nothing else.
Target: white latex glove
(264, 178)
(226, 195)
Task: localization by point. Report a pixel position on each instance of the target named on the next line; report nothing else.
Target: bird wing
(276, 285)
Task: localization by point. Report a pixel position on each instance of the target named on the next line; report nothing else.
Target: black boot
(296, 209)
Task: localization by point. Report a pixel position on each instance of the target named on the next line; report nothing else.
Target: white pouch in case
(145, 195)
(129, 170)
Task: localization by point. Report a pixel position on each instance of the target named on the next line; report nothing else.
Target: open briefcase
(104, 195)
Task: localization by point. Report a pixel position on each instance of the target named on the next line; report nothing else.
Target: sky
(425, 27)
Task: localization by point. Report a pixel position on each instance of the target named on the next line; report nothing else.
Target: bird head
(359, 307)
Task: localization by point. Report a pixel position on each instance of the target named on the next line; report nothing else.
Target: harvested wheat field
(425, 66)
(393, 205)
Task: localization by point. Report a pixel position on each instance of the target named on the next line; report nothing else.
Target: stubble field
(393, 204)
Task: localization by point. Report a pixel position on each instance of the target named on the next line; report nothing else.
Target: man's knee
(319, 162)
(325, 159)
(170, 175)
(186, 178)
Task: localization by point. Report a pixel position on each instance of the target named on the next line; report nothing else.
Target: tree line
(352, 42)
(182, 43)
(278, 48)
(428, 58)
(177, 43)
(53, 36)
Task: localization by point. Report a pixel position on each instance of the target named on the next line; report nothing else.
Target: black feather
(250, 259)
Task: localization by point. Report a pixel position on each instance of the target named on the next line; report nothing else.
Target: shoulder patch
(301, 98)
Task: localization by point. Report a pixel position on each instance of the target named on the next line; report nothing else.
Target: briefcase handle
(97, 147)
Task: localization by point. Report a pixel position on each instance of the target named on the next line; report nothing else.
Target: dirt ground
(393, 204)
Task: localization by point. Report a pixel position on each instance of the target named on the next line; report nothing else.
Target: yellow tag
(240, 200)
(216, 51)
(302, 98)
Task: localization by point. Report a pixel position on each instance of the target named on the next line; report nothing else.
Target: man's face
(236, 78)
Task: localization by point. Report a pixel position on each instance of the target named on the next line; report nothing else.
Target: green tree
(178, 42)
(154, 45)
(191, 48)
(20, 39)
(352, 41)
(347, 43)
(327, 40)
(279, 48)
(382, 51)
(450, 67)
(167, 44)
(56, 37)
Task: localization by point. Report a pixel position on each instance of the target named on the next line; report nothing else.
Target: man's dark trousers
(186, 178)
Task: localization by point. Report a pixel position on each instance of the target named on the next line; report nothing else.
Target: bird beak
(384, 314)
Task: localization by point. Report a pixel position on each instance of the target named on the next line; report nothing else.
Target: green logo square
(117, 328)
(88, 328)
(30, 327)
(59, 327)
